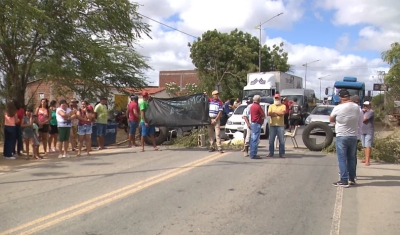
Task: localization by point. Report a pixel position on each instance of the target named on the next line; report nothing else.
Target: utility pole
(305, 75)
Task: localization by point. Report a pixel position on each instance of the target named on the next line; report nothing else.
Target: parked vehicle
(236, 123)
(321, 113)
(121, 119)
(352, 85)
(266, 84)
(305, 98)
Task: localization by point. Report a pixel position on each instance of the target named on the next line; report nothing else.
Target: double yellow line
(70, 212)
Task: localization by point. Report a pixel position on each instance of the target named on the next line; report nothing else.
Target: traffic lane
(231, 195)
(33, 193)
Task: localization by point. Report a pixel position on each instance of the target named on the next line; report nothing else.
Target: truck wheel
(160, 137)
(314, 146)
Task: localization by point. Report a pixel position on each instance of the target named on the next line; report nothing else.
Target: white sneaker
(10, 158)
(60, 156)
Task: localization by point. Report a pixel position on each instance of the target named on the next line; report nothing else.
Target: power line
(167, 26)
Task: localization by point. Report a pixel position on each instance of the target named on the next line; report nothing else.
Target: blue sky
(348, 36)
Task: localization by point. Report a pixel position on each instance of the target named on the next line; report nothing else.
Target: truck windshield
(291, 97)
(351, 91)
(261, 92)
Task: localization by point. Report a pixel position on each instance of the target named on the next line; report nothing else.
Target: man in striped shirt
(215, 114)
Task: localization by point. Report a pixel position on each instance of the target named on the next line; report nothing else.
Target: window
(322, 110)
(240, 109)
(41, 95)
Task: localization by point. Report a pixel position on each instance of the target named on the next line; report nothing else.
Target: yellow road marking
(114, 196)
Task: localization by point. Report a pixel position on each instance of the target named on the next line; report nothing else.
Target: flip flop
(142, 150)
(157, 149)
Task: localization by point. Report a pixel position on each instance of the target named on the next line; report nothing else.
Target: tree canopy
(225, 59)
(71, 42)
(392, 57)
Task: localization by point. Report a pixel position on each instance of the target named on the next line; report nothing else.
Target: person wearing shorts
(147, 130)
(64, 117)
(294, 114)
(44, 118)
(101, 121)
(85, 118)
(53, 133)
(133, 114)
(367, 131)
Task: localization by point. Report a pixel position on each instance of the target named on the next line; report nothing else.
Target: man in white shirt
(346, 118)
(247, 131)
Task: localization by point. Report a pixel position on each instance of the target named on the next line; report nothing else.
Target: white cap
(367, 103)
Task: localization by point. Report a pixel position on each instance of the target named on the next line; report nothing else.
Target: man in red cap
(147, 130)
(277, 113)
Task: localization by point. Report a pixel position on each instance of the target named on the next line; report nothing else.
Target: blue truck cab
(351, 84)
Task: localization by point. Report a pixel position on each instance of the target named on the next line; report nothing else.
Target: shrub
(385, 149)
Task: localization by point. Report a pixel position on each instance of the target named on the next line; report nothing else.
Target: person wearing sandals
(367, 131)
(133, 114)
(147, 130)
(36, 142)
(44, 118)
(20, 115)
(10, 130)
(100, 111)
(85, 119)
(27, 132)
(53, 133)
(64, 117)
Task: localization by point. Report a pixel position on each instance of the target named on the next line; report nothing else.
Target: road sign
(380, 87)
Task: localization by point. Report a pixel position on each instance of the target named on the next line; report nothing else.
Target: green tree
(71, 42)
(392, 79)
(174, 89)
(225, 59)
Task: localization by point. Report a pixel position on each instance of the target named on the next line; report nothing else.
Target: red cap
(277, 96)
(144, 93)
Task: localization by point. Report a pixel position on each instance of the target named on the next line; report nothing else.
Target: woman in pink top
(10, 130)
(44, 117)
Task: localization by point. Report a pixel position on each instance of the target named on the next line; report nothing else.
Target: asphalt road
(174, 192)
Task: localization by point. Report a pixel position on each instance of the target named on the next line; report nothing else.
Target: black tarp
(180, 111)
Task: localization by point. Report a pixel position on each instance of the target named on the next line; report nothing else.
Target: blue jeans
(20, 145)
(10, 138)
(273, 132)
(132, 127)
(255, 135)
(101, 129)
(346, 149)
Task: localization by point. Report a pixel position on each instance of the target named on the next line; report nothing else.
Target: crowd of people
(353, 124)
(62, 126)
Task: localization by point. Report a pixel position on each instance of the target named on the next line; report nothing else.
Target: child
(27, 130)
(36, 143)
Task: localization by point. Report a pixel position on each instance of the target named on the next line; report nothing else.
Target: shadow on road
(379, 181)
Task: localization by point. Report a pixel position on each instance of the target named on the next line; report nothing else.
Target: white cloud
(342, 42)
(382, 14)
(169, 50)
(318, 16)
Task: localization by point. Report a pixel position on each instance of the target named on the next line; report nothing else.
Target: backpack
(295, 111)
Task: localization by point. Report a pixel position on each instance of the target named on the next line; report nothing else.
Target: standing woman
(44, 118)
(85, 115)
(53, 133)
(20, 115)
(10, 130)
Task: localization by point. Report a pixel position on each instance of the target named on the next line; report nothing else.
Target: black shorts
(294, 122)
(53, 129)
(45, 128)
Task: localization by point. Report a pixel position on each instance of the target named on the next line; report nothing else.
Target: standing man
(215, 113)
(346, 116)
(294, 114)
(64, 117)
(100, 111)
(147, 130)
(247, 130)
(286, 117)
(277, 126)
(257, 118)
(367, 131)
(356, 100)
(133, 114)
